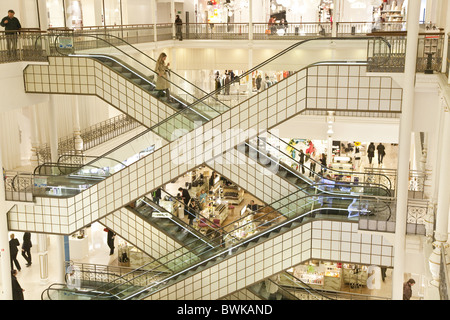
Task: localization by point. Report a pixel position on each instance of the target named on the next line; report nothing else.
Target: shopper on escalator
(163, 71)
(302, 160)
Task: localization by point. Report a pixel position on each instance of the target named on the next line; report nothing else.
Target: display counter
(216, 212)
(233, 194)
(342, 163)
(78, 248)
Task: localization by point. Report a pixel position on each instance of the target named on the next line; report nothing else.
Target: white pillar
(43, 258)
(336, 15)
(5, 264)
(34, 137)
(153, 9)
(446, 38)
(250, 66)
(76, 125)
(53, 130)
(443, 203)
(406, 121)
(250, 20)
(172, 17)
(43, 16)
(60, 259)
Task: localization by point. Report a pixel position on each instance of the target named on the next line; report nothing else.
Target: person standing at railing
(163, 71)
(11, 25)
(178, 25)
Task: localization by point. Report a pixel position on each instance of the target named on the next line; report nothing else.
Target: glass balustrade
(174, 126)
(288, 212)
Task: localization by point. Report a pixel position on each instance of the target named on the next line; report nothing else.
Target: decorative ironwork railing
(92, 137)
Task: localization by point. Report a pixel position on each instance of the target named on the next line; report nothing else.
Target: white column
(443, 203)
(250, 65)
(153, 9)
(336, 15)
(34, 137)
(76, 125)
(446, 38)
(60, 259)
(406, 121)
(98, 12)
(43, 16)
(43, 258)
(5, 264)
(172, 17)
(53, 130)
(250, 20)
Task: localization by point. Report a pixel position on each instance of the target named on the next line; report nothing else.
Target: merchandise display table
(79, 248)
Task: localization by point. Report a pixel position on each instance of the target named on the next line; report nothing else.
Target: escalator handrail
(155, 127)
(147, 56)
(175, 219)
(337, 183)
(200, 216)
(95, 36)
(328, 168)
(360, 183)
(244, 241)
(249, 72)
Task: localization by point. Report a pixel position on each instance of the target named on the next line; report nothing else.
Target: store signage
(40, 182)
(65, 42)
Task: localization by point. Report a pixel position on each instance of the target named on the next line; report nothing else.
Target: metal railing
(21, 46)
(28, 45)
(91, 136)
(417, 222)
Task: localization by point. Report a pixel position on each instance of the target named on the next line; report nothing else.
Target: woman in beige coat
(162, 70)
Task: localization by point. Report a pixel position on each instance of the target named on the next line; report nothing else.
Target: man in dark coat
(407, 290)
(381, 153)
(13, 250)
(12, 25)
(110, 241)
(185, 195)
(156, 196)
(178, 25)
(302, 160)
(26, 247)
(17, 291)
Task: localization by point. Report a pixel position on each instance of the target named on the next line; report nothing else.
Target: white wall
(344, 128)
(137, 12)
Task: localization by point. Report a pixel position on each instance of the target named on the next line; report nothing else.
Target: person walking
(110, 241)
(17, 291)
(26, 248)
(323, 163)
(407, 289)
(11, 25)
(163, 71)
(371, 152)
(302, 160)
(156, 196)
(381, 153)
(13, 250)
(258, 82)
(312, 165)
(178, 26)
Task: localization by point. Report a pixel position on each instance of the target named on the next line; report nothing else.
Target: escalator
(289, 168)
(285, 286)
(158, 167)
(166, 218)
(283, 216)
(121, 71)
